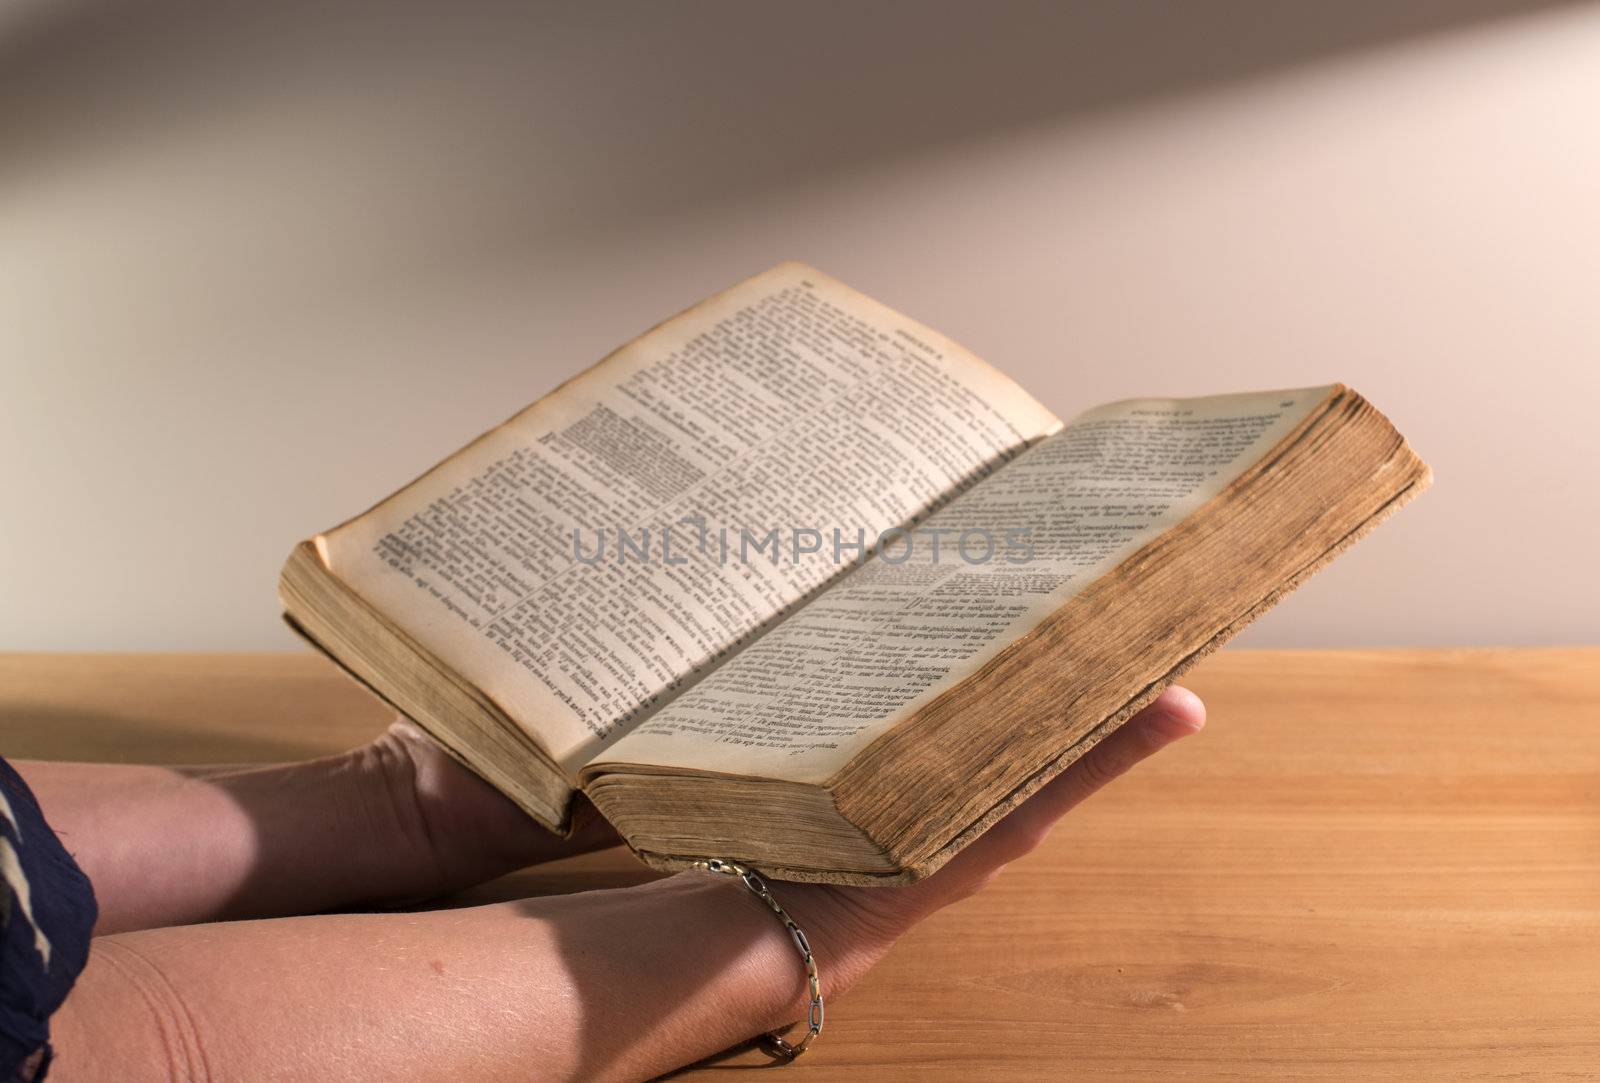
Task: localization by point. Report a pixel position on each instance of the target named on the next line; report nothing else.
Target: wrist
(845, 942)
(336, 832)
(465, 830)
(386, 846)
(424, 827)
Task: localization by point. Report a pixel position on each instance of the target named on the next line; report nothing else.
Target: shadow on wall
(575, 115)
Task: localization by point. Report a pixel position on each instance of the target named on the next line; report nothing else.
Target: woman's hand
(459, 827)
(852, 927)
(472, 833)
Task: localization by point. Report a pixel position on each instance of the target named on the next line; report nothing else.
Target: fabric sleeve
(47, 916)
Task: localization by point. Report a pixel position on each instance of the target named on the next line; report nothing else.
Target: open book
(796, 581)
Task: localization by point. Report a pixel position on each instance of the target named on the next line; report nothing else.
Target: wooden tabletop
(1373, 864)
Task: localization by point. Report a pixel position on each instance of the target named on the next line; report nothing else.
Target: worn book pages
(589, 559)
(1244, 500)
(977, 575)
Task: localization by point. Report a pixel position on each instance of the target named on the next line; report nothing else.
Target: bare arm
(620, 984)
(392, 821)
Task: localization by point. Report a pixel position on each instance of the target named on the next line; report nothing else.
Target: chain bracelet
(774, 1044)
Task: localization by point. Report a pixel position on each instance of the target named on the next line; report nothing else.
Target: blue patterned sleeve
(47, 915)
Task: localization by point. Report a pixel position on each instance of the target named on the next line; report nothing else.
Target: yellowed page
(786, 413)
(903, 628)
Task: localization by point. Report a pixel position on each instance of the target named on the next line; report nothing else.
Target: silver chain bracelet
(774, 1044)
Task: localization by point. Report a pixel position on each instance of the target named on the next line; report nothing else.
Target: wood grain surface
(1373, 864)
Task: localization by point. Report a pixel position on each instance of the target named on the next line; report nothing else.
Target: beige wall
(259, 264)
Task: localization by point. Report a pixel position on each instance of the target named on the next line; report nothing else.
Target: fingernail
(1170, 726)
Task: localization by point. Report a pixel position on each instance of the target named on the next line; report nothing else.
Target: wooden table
(1374, 865)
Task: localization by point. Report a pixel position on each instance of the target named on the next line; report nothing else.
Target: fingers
(1175, 714)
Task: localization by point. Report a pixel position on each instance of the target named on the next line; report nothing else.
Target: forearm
(165, 847)
(615, 984)
(621, 984)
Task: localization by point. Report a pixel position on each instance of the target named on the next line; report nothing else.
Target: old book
(796, 581)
